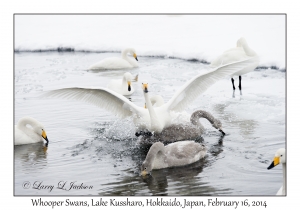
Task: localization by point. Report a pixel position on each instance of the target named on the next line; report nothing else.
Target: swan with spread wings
(154, 119)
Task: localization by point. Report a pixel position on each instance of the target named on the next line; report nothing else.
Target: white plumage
(28, 131)
(240, 52)
(280, 157)
(152, 118)
(124, 62)
(122, 86)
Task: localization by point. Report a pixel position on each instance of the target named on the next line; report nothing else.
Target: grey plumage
(178, 132)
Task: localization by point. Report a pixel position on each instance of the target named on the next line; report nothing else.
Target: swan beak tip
(271, 166)
(45, 136)
(274, 163)
(129, 88)
(222, 132)
(136, 59)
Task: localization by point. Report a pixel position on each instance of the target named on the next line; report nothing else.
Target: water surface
(91, 147)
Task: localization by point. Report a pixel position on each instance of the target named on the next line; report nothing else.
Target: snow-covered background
(200, 37)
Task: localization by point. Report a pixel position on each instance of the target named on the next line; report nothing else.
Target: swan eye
(280, 155)
(145, 168)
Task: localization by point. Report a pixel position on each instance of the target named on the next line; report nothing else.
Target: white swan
(152, 118)
(178, 132)
(280, 158)
(122, 86)
(117, 63)
(29, 130)
(156, 100)
(175, 154)
(240, 52)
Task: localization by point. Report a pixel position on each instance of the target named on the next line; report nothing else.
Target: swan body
(175, 154)
(178, 132)
(240, 52)
(153, 118)
(123, 62)
(28, 131)
(122, 86)
(280, 157)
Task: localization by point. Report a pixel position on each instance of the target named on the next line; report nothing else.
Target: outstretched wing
(101, 97)
(194, 87)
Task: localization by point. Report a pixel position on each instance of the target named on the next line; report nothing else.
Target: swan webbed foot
(143, 133)
(137, 134)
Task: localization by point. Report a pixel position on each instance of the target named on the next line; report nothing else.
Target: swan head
(128, 78)
(145, 87)
(146, 168)
(40, 130)
(279, 158)
(241, 42)
(218, 125)
(131, 51)
(134, 55)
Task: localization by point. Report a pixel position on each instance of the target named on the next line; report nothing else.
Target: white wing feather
(197, 85)
(101, 97)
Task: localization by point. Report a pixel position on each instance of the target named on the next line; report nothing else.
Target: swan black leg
(233, 95)
(232, 80)
(240, 84)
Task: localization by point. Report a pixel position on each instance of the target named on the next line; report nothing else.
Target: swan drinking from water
(280, 158)
(154, 119)
(178, 132)
(240, 52)
(175, 154)
(122, 86)
(29, 130)
(124, 62)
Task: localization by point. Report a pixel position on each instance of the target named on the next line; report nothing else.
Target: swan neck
(155, 125)
(124, 83)
(248, 50)
(284, 179)
(153, 151)
(124, 54)
(26, 121)
(201, 114)
(22, 125)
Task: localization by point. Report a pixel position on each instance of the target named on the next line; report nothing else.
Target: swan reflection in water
(31, 155)
(165, 181)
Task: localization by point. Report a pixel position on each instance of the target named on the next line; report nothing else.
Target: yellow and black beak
(145, 87)
(134, 55)
(129, 86)
(145, 106)
(144, 173)
(274, 163)
(44, 135)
